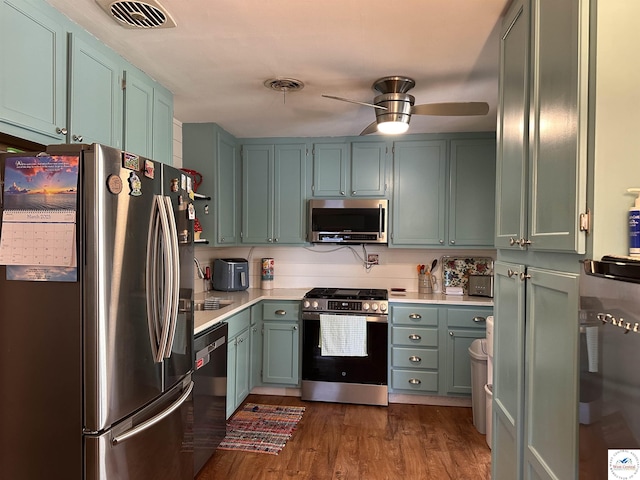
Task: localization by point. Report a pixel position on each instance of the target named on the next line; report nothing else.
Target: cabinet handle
(441, 241)
(77, 138)
(523, 242)
(414, 359)
(415, 381)
(415, 336)
(415, 316)
(511, 273)
(295, 327)
(275, 240)
(341, 193)
(514, 241)
(269, 240)
(479, 319)
(524, 276)
(451, 334)
(62, 130)
(452, 242)
(280, 312)
(353, 193)
(221, 239)
(240, 340)
(255, 329)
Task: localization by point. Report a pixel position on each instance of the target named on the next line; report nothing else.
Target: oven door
(371, 369)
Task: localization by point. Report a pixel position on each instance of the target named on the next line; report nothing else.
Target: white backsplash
(333, 265)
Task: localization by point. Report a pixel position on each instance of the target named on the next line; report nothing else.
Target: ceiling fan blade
(451, 108)
(371, 128)
(355, 101)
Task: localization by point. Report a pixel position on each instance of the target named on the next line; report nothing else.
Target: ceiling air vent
(138, 14)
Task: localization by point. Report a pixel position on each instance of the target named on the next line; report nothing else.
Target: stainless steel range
(345, 345)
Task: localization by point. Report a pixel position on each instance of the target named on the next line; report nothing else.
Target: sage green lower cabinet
(464, 325)
(414, 349)
(535, 374)
(430, 348)
(281, 342)
(238, 359)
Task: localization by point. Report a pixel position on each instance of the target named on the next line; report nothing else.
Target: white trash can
(478, 354)
(488, 389)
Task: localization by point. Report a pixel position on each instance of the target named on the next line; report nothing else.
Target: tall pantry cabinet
(541, 190)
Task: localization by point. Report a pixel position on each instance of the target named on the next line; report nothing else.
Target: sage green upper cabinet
(472, 174)
(358, 169)
(419, 193)
(212, 152)
(95, 93)
(33, 80)
(148, 117)
(273, 193)
(542, 122)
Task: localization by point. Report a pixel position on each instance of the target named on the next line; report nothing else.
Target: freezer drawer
(161, 451)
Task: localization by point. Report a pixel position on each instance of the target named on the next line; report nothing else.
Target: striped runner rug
(261, 428)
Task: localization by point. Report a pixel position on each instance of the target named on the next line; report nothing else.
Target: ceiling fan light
(393, 127)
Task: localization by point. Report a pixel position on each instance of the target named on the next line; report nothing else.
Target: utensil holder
(425, 284)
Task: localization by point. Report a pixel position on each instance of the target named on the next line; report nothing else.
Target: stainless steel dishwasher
(209, 393)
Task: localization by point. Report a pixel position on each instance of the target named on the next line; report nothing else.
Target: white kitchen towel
(343, 335)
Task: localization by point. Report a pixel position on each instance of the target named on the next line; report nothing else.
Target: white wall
(334, 266)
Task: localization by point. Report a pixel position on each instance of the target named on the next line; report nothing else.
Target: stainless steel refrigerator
(96, 362)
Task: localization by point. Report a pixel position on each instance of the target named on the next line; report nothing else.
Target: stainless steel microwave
(348, 221)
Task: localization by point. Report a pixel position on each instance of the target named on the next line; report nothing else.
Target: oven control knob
(306, 304)
(365, 306)
(374, 307)
(314, 304)
(383, 307)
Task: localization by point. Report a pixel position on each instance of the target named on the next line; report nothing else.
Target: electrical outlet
(372, 259)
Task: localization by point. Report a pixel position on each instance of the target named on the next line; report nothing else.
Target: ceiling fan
(394, 106)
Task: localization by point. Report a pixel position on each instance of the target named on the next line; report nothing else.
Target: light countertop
(205, 319)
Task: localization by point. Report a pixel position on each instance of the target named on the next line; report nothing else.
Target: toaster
(230, 274)
(480, 285)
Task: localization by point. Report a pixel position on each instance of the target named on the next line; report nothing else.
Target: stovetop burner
(348, 293)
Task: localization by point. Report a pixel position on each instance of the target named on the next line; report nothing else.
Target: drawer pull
(415, 316)
(280, 312)
(415, 381)
(479, 319)
(415, 336)
(414, 359)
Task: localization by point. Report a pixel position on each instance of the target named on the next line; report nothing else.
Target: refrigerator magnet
(174, 185)
(149, 169)
(183, 182)
(192, 211)
(130, 161)
(114, 184)
(135, 185)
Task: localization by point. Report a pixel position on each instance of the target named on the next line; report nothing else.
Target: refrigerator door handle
(167, 293)
(153, 313)
(175, 273)
(153, 420)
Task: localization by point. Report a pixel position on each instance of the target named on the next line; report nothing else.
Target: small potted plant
(197, 229)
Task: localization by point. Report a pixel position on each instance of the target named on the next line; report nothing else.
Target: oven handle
(370, 318)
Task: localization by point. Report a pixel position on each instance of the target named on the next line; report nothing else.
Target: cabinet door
(368, 169)
(558, 134)
(256, 346)
(508, 370)
(330, 169)
(162, 143)
(419, 172)
(472, 205)
(95, 94)
(513, 128)
(257, 194)
(551, 373)
(33, 80)
(457, 365)
(138, 114)
(243, 366)
(289, 212)
(280, 353)
(226, 196)
(231, 376)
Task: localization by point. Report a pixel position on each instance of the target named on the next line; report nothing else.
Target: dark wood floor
(355, 442)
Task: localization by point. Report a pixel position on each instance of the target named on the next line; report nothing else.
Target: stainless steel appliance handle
(151, 285)
(175, 272)
(380, 220)
(168, 279)
(153, 420)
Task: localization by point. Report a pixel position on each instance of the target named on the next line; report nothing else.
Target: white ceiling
(216, 60)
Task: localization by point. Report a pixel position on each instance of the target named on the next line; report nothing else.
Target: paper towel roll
(268, 266)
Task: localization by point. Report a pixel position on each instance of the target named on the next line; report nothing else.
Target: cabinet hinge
(313, 188)
(585, 221)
